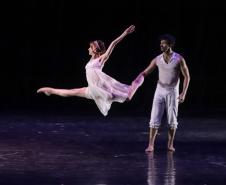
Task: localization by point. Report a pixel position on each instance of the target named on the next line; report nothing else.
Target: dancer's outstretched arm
(108, 52)
(150, 68)
(140, 78)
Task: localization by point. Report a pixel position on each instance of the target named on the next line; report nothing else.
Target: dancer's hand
(139, 79)
(181, 98)
(130, 29)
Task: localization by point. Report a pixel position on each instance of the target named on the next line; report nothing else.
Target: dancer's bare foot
(149, 149)
(46, 90)
(135, 85)
(171, 148)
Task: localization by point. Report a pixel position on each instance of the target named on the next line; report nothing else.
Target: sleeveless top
(169, 73)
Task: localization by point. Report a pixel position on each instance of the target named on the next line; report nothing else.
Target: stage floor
(66, 149)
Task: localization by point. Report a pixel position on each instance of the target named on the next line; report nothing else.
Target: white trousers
(165, 98)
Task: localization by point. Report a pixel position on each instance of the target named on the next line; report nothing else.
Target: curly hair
(170, 39)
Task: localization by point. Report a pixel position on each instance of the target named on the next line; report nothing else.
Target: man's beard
(164, 49)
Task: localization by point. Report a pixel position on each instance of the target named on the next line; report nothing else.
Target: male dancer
(167, 96)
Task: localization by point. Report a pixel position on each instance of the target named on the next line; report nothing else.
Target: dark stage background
(45, 43)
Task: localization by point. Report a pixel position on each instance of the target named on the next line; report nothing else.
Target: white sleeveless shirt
(169, 73)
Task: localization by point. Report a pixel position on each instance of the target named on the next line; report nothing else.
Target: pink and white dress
(103, 89)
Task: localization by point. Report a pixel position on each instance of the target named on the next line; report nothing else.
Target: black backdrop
(44, 43)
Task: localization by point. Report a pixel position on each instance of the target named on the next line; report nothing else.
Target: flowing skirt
(105, 90)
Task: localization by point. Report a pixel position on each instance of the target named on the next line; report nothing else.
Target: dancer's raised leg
(80, 92)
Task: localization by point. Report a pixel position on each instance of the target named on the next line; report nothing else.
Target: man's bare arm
(185, 72)
(150, 68)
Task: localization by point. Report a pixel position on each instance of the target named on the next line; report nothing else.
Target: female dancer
(103, 89)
